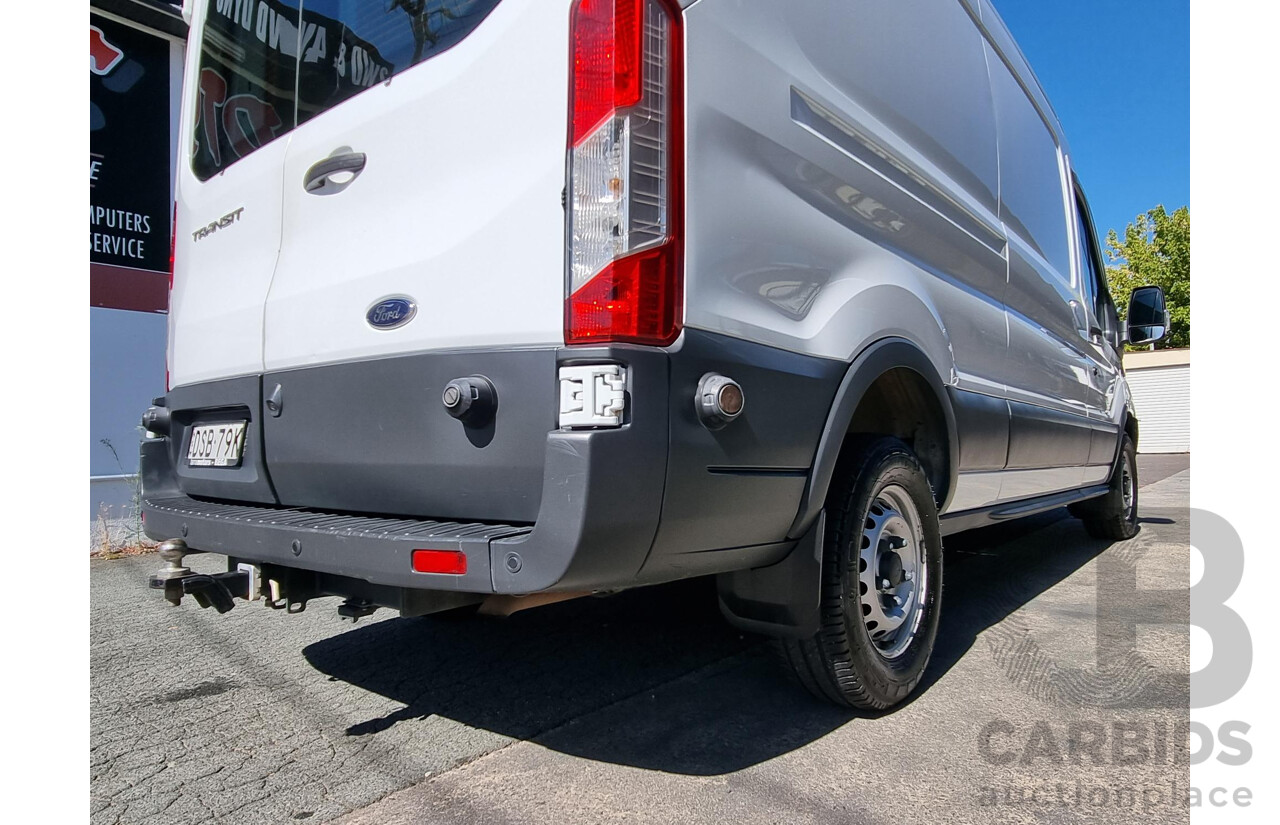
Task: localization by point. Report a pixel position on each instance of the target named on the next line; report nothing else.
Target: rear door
(444, 125)
(238, 111)
(450, 118)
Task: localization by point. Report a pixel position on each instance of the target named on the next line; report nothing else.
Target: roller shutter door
(1162, 399)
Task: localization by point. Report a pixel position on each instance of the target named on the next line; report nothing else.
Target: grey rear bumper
(656, 499)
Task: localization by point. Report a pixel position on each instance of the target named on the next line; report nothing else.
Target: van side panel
(842, 187)
(1048, 371)
(1001, 39)
(839, 187)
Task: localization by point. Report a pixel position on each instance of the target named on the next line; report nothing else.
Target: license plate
(216, 445)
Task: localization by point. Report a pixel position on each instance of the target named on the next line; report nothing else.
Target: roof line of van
(998, 36)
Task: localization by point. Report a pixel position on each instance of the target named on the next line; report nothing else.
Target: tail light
(168, 304)
(624, 279)
(173, 243)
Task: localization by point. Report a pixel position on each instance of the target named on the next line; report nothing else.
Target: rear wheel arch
(900, 403)
(892, 388)
(1131, 425)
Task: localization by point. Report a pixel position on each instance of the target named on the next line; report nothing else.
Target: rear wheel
(1115, 515)
(881, 582)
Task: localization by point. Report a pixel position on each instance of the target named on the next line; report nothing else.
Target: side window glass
(1094, 277)
(247, 76)
(1088, 274)
(347, 46)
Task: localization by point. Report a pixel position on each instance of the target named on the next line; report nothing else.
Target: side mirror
(1148, 319)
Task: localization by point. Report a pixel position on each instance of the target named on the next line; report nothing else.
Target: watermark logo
(1136, 755)
(1121, 676)
(1232, 660)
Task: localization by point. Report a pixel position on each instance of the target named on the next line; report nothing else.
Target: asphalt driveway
(1058, 692)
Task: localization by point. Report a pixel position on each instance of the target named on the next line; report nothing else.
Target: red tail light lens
(453, 562)
(173, 243)
(623, 280)
(608, 61)
(633, 299)
(168, 304)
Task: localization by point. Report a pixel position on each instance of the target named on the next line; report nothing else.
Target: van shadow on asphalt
(541, 674)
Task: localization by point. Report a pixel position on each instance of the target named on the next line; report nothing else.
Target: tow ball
(218, 590)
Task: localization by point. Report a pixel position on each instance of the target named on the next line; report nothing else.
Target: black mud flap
(780, 600)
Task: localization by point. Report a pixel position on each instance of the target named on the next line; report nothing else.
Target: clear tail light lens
(624, 280)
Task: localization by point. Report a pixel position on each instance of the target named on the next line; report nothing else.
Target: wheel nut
(906, 575)
(884, 584)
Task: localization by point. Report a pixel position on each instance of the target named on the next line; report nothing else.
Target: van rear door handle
(351, 163)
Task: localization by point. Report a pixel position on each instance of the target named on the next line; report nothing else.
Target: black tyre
(1115, 515)
(881, 581)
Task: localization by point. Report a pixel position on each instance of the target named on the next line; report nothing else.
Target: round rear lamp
(719, 400)
(729, 399)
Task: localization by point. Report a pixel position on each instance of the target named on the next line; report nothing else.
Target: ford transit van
(507, 301)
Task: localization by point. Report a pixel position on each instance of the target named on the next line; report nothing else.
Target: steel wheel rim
(893, 580)
(1126, 489)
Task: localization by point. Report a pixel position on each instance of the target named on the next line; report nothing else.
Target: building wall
(127, 347)
(1161, 385)
(126, 370)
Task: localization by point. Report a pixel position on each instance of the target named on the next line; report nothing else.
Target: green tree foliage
(1155, 251)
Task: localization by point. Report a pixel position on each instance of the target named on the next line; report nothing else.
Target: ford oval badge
(390, 313)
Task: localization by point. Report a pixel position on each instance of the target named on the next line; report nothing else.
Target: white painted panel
(1162, 399)
(458, 207)
(221, 275)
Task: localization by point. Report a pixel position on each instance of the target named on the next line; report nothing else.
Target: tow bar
(218, 590)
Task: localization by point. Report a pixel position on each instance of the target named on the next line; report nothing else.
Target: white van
(506, 301)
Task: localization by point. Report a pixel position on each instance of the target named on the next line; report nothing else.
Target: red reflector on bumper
(439, 561)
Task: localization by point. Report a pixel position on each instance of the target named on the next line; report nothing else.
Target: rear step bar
(376, 549)
(220, 590)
